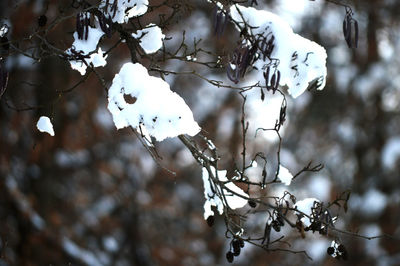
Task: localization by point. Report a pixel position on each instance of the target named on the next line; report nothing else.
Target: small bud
(276, 226)
(252, 203)
(236, 252)
(42, 20)
(236, 244)
(210, 220)
(341, 248)
(330, 251)
(229, 257)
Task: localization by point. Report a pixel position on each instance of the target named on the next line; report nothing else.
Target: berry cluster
(337, 250)
(234, 251)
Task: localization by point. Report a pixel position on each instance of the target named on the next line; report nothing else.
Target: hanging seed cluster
(4, 51)
(337, 250)
(221, 19)
(350, 29)
(235, 247)
(242, 57)
(82, 25)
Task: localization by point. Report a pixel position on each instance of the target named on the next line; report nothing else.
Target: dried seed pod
(252, 203)
(3, 80)
(236, 245)
(5, 44)
(105, 24)
(262, 99)
(280, 221)
(266, 76)
(273, 80)
(42, 20)
(267, 233)
(356, 33)
(236, 252)
(210, 220)
(330, 251)
(241, 242)
(229, 256)
(276, 226)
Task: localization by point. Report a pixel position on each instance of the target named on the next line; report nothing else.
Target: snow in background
(391, 153)
(372, 203)
(44, 125)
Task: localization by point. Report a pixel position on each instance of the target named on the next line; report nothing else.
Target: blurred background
(92, 195)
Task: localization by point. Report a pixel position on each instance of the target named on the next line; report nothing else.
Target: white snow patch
(150, 38)
(44, 125)
(157, 111)
(284, 175)
(213, 199)
(304, 206)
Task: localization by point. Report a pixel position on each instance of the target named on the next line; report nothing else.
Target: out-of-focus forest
(93, 195)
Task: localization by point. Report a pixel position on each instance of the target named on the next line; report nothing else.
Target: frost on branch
(218, 197)
(122, 10)
(150, 38)
(153, 109)
(81, 48)
(299, 62)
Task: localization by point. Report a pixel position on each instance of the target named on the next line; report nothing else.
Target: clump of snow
(391, 153)
(284, 175)
(156, 111)
(150, 38)
(301, 62)
(44, 125)
(305, 206)
(3, 30)
(213, 199)
(85, 47)
(98, 59)
(124, 9)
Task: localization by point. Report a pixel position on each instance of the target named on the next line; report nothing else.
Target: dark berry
(280, 221)
(344, 255)
(276, 226)
(330, 251)
(4, 43)
(42, 20)
(210, 220)
(241, 242)
(252, 203)
(229, 257)
(236, 252)
(235, 244)
(341, 248)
